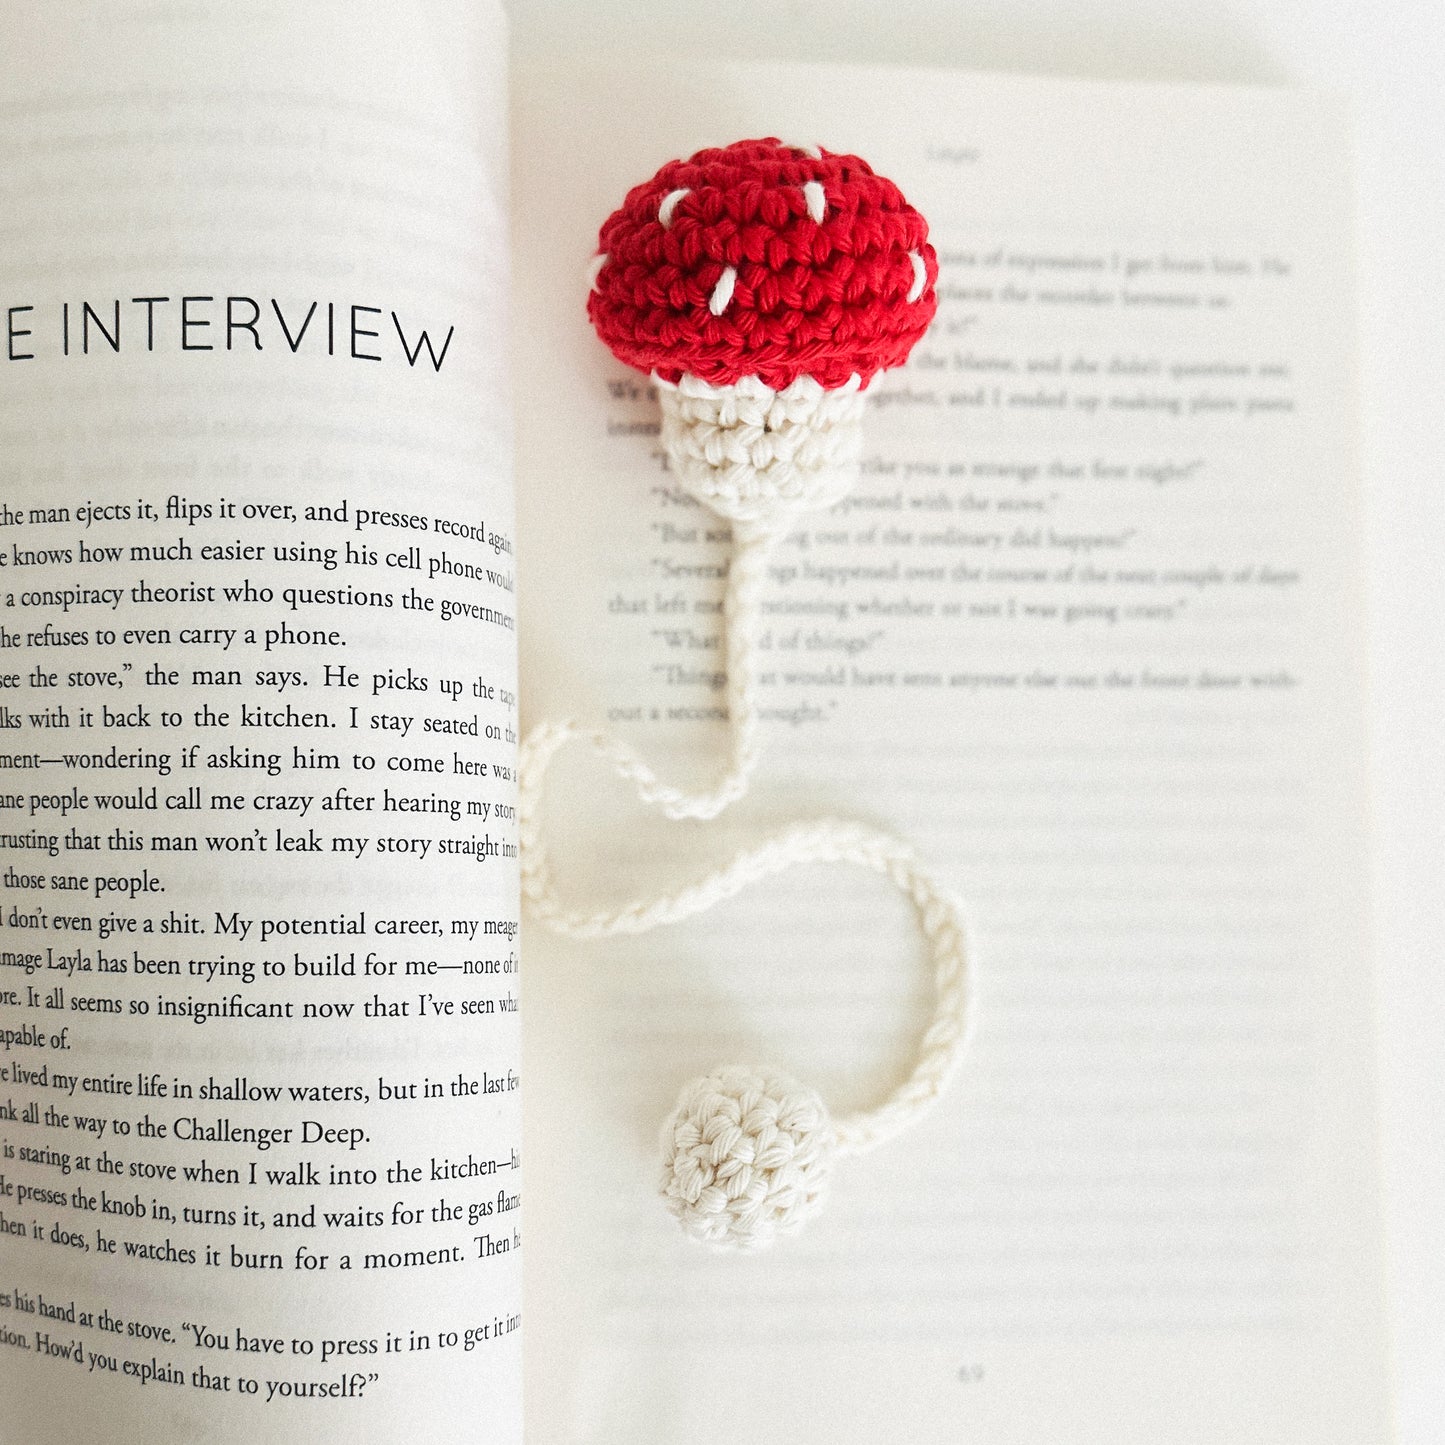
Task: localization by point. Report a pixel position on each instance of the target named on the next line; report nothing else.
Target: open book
(1086, 632)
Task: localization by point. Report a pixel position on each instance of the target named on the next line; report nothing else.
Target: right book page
(1088, 632)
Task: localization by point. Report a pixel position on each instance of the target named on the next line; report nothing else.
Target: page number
(970, 1374)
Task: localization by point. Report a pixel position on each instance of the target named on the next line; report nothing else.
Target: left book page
(259, 1065)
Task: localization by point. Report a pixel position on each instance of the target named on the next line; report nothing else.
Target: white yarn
(669, 205)
(825, 840)
(757, 455)
(722, 292)
(740, 608)
(920, 276)
(747, 1151)
(746, 1157)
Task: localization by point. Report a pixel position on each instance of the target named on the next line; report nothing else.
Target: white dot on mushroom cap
(722, 293)
(669, 205)
(920, 276)
(816, 201)
(815, 152)
(594, 269)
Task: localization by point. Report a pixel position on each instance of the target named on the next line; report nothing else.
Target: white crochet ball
(746, 1156)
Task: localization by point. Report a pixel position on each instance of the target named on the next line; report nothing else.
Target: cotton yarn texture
(746, 1156)
(762, 286)
(764, 260)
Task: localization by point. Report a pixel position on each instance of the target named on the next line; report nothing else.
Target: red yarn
(823, 298)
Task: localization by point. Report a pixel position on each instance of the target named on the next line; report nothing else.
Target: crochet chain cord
(740, 605)
(825, 840)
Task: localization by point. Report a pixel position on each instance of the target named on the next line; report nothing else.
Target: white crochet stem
(826, 840)
(757, 455)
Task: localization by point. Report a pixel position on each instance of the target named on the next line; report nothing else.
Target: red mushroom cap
(766, 260)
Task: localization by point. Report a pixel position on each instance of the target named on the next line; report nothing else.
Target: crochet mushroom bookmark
(762, 286)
